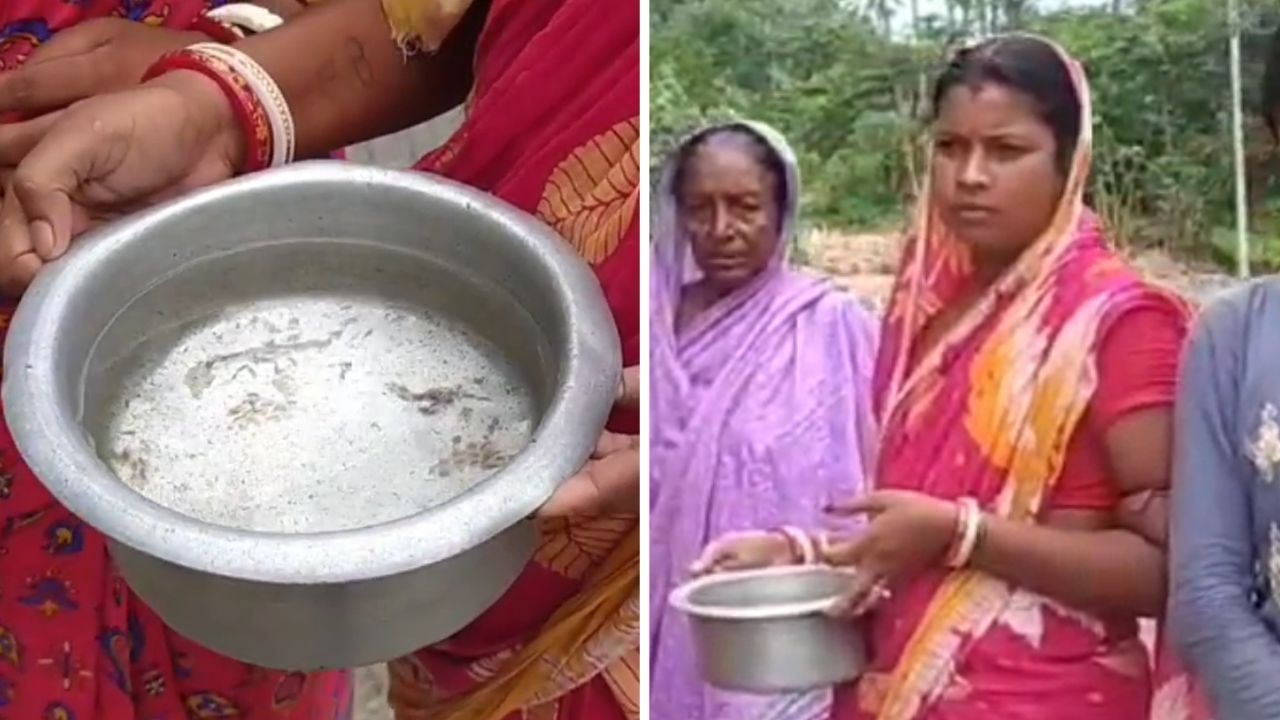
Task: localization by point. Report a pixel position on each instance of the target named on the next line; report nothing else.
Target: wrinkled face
(995, 174)
(730, 214)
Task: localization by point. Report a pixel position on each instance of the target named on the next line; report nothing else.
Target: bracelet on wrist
(257, 103)
(802, 548)
(249, 114)
(264, 88)
(793, 550)
(969, 525)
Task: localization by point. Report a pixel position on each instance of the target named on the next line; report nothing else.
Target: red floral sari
(553, 127)
(26, 24)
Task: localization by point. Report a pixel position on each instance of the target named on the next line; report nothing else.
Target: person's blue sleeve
(1215, 624)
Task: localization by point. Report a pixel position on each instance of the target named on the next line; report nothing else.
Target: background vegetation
(847, 82)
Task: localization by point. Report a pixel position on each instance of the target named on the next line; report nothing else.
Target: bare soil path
(864, 265)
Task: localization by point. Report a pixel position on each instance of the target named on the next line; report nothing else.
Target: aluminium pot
(312, 409)
(767, 630)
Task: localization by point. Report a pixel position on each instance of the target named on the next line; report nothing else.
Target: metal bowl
(312, 409)
(766, 631)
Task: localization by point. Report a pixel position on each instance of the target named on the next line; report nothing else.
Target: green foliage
(846, 85)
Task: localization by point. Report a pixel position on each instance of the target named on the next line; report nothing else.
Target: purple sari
(760, 415)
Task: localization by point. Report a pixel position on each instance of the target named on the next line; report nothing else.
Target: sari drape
(552, 127)
(761, 416)
(988, 412)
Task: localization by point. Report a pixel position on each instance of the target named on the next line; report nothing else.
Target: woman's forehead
(987, 107)
(726, 164)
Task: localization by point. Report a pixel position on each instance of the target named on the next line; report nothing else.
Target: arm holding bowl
(345, 79)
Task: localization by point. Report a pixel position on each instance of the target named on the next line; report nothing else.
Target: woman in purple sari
(761, 412)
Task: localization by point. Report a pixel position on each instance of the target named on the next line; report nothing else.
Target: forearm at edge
(1111, 572)
(1220, 636)
(346, 80)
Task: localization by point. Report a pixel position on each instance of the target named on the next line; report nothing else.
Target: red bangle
(249, 111)
(216, 31)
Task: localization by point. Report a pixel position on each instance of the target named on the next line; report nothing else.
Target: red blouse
(1137, 370)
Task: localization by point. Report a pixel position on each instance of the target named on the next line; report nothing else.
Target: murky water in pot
(300, 411)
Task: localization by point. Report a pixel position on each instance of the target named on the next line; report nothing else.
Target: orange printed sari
(988, 412)
(552, 127)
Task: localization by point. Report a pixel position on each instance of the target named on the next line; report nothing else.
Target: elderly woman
(1024, 387)
(1225, 618)
(761, 385)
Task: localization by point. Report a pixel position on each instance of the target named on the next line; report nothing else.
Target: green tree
(848, 82)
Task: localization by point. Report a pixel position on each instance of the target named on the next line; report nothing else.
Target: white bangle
(808, 553)
(971, 518)
(246, 16)
(284, 137)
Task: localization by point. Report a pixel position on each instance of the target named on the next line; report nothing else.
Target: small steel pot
(312, 565)
(765, 631)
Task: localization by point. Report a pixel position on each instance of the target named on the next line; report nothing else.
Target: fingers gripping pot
(313, 409)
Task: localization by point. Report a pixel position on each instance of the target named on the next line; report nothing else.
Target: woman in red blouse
(1024, 389)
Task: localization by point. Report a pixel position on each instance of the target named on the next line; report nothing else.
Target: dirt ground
(864, 264)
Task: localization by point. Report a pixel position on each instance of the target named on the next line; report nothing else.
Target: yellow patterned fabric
(594, 633)
(552, 128)
(591, 197)
(423, 25)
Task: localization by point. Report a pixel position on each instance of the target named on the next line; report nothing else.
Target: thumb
(629, 390)
(719, 554)
(608, 486)
(49, 216)
(610, 443)
(18, 261)
(45, 181)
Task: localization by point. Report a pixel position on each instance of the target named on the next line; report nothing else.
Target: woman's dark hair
(761, 151)
(1271, 86)
(1030, 66)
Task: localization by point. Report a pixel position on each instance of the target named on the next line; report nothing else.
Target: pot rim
(50, 440)
(682, 597)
